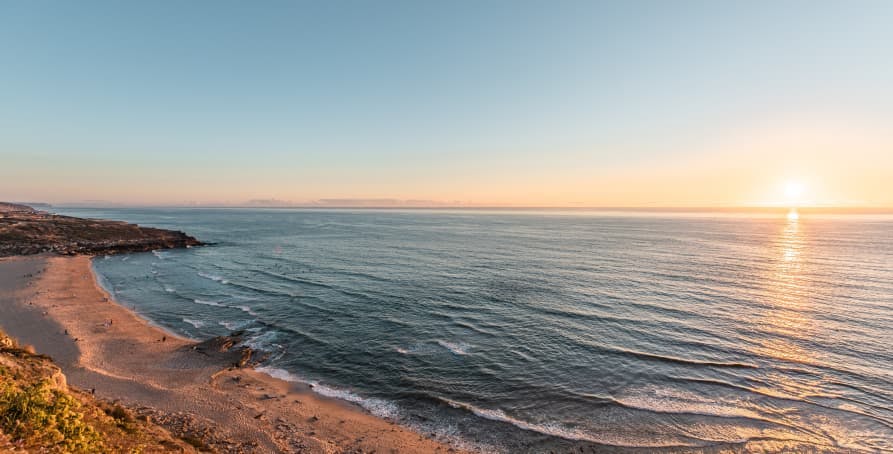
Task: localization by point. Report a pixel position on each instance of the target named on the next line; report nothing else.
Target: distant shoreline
(707, 210)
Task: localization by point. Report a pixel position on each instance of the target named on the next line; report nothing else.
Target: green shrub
(40, 415)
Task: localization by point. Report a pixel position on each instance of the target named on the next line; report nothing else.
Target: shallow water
(511, 331)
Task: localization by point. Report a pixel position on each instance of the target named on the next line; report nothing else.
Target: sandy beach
(55, 304)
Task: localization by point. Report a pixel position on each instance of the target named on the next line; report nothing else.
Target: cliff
(40, 413)
(25, 231)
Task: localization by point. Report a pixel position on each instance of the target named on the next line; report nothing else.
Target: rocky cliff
(25, 231)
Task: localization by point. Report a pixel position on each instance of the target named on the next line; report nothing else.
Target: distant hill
(6, 207)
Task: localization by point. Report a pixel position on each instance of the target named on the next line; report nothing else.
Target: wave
(195, 323)
(234, 325)
(263, 291)
(668, 359)
(417, 349)
(208, 303)
(247, 310)
(292, 279)
(523, 355)
(459, 348)
(264, 341)
(104, 282)
(767, 391)
(378, 407)
(169, 289)
(558, 430)
(213, 277)
(159, 254)
(668, 400)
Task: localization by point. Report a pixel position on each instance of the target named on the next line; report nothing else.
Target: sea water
(531, 331)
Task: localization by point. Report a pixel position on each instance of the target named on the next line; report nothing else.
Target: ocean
(530, 331)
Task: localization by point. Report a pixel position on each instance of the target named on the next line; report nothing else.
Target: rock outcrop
(26, 231)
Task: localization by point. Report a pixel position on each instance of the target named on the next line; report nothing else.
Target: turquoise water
(531, 331)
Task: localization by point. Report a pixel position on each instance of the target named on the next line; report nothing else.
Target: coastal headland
(205, 393)
(26, 231)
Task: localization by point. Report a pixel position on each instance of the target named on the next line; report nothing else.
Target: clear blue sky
(494, 102)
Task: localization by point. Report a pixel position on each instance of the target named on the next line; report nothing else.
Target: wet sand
(55, 304)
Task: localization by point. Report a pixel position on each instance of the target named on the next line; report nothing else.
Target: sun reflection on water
(788, 319)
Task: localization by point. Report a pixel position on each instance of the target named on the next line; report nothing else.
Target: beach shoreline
(57, 305)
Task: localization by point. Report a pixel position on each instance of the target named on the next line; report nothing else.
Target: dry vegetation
(40, 413)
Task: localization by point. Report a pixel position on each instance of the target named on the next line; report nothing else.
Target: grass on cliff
(42, 416)
(39, 413)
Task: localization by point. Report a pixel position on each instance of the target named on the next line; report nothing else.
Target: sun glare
(793, 190)
(793, 194)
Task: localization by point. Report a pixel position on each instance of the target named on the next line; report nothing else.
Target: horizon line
(669, 209)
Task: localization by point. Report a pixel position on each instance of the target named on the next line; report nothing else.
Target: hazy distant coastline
(395, 204)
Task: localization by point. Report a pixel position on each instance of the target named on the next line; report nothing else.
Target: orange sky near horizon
(843, 167)
(586, 104)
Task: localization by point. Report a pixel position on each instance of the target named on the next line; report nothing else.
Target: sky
(493, 103)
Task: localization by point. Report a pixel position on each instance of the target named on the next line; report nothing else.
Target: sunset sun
(793, 191)
(793, 197)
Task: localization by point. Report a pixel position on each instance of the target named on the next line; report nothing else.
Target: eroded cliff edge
(26, 231)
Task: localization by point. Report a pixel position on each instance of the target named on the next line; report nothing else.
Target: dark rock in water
(246, 356)
(25, 231)
(227, 350)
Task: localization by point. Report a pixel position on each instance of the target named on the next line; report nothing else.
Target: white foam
(499, 415)
(377, 407)
(558, 430)
(169, 289)
(103, 282)
(247, 310)
(213, 277)
(413, 349)
(159, 254)
(208, 303)
(195, 323)
(523, 355)
(234, 325)
(460, 348)
(669, 400)
(281, 374)
(263, 341)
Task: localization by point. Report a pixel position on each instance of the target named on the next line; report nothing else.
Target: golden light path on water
(786, 326)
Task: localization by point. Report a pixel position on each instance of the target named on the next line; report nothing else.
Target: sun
(793, 191)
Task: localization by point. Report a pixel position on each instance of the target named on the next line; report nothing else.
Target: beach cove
(55, 304)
